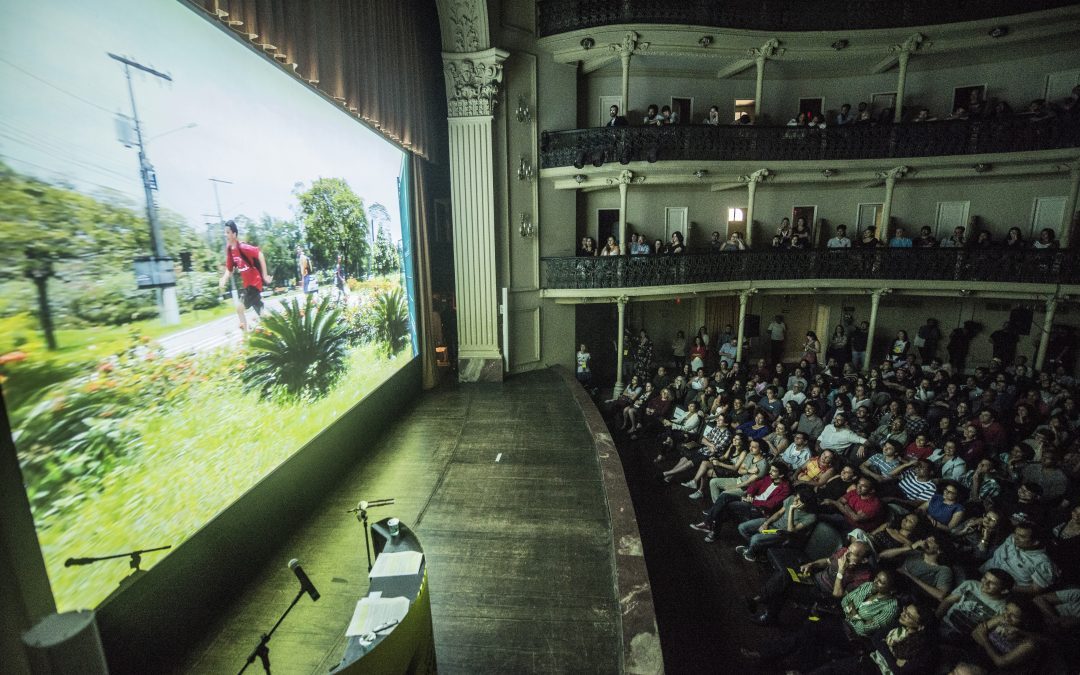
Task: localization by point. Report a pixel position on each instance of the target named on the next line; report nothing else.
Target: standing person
(777, 334)
(959, 343)
(339, 278)
(249, 261)
(584, 369)
(307, 279)
(859, 338)
(1004, 343)
(926, 340)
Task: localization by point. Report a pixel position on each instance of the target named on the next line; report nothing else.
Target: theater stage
(503, 486)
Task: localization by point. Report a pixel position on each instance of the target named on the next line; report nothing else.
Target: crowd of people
(952, 493)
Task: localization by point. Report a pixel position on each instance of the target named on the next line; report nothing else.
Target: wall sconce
(982, 167)
(587, 43)
(523, 114)
(828, 173)
(701, 173)
(705, 40)
(525, 228)
(580, 178)
(839, 44)
(525, 169)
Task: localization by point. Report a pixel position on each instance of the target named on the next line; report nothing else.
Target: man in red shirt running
(251, 264)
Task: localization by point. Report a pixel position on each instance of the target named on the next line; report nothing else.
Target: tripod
(361, 515)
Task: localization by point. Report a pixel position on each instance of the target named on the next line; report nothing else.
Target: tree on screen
(386, 255)
(335, 222)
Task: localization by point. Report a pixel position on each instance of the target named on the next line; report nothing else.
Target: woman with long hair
(611, 248)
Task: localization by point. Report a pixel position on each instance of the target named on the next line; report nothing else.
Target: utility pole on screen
(162, 275)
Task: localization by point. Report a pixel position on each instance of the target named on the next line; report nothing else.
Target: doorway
(607, 221)
(869, 215)
(736, 221)
(810, 214)
(683, 108)
(812, 106)
(744, 106)
(605, 105)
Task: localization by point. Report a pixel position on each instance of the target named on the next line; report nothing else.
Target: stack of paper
(397, 564)
(375, 613)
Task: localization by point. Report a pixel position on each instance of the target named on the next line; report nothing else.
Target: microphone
(305, 582)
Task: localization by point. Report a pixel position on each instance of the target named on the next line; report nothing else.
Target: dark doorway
(607, 221)
(684, 108)
(596, 327)
(812, 106)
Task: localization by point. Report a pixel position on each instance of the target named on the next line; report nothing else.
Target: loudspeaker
(1020, 318)
(752, 327)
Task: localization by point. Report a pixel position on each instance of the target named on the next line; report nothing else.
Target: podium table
(409, 647)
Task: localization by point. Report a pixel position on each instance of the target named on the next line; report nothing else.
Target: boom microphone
(305, 582)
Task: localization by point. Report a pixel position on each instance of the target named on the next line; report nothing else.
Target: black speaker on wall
(753, 326)
(1020, 318)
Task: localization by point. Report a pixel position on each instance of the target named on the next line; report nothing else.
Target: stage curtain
(367, 55)
(422, 214)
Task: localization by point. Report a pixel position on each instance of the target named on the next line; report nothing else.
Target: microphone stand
(262, 650)
(136, 558)
(361, 515)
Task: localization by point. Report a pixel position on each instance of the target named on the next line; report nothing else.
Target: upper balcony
(597, 146)
(555, 17)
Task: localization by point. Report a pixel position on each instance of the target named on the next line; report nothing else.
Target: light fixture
(828, 173)
(701, 173)
(525, 227)
(523, 114)
(705, 40)
(982, 167)
(998, 31)
(840, 44)
(587, 43)
(525, 169)
(580, 178)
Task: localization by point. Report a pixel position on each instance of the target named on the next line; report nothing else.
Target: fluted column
(875, 300)
(1048, 324)
(752, 181)
(904, 52)
(626, 49)
(890, 176)
(472, 81)
(619, 384)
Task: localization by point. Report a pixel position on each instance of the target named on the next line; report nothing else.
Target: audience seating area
(918, 517)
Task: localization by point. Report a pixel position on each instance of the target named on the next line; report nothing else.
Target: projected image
(202, 268)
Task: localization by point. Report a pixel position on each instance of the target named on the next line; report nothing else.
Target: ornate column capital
(769, 50)
(754, 178)
(893, 174)
(629, 46)
(472, 81)
(912, 44)
(877, 293)
(625, 177)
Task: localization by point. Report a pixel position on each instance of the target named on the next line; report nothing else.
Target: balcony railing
(998, 265)
(563, 16)
(600, 145)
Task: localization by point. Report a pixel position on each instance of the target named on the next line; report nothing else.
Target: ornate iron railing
(998, 265)
(600, 145)
(563, 16)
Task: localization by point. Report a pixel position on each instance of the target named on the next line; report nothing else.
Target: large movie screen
(201, 270)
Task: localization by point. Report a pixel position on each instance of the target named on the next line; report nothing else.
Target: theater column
(472, 82)
(890, 176)
(752, 181)
(625, 179)
(744, 298)
(619, 384)
(903, 53)
(875, 300)
(1048, 324)
(762, 54)
(1069, 218)
(626, 50)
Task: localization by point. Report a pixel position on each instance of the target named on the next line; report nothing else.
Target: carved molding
(756, 177)
(472, 82)
(464, 25)
(629, 46)
(769, 50)
(912, 44)
(894, 173)
(626, 177)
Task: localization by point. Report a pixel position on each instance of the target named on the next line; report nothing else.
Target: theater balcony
(554, 17)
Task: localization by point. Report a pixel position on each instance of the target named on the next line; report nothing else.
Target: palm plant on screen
(299, 351)
(391, 314)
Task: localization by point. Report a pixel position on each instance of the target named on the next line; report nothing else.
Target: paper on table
(396, 564)
(372, 613)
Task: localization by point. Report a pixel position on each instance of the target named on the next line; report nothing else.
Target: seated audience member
(626, 398)
(844, 117)
(713, 118)
(732, 474)
(900, 239)
(675, 433)
(837, 436)
(779, 439)
(1009, 640)
(958, 239)
(1047, 239)
(1064, 546)
(981, 482)
(588, 248)
(858, 508)
(632, 412)
(770, 404)
(862, 113)
(656, 409)
(977, 538)
(891, 432)
(811, 423)
(840, 482)
(787, 526)
(756, 428)
(972, 602)
(885, 466)
(1048, 475)
(950, 465)
(916, 485)
(610, 248)
(797, 452)
(715, 242)
(831, 577)
(944, 510)
(864, 610)
(1060, 609)
(1014, 239)
(923, 116)
(890, 542)
(1023, 504)
(927, 566)
(1023, 556)
(841, 239)
(907, 649)
(817, 471)
(652, 116)
(761, 498)
(667, 116)
(744, 120)
(735, 242)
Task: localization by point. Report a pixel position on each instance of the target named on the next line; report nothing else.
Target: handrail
(600, 145)
(554, 17)
(999, 265)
